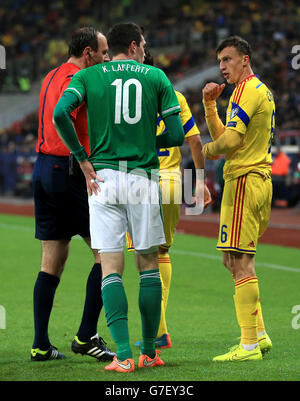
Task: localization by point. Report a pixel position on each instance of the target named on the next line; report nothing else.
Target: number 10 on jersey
(123, 103)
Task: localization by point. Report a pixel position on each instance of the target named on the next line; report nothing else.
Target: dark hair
(148, 57)
(82, 38)
(241, 45)
(121, 35)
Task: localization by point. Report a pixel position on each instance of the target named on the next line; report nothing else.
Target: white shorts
(126, 202)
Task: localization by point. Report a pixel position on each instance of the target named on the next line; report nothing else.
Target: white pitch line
(17, 227)
(178, 251)
(218, 258)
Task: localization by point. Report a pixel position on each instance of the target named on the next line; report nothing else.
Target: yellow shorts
(245, 213)
(171, 190)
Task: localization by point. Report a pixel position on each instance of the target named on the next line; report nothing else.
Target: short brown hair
(121, 35)
(241, 45)
(81, 38)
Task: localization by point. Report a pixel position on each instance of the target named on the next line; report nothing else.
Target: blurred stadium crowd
(182, 35)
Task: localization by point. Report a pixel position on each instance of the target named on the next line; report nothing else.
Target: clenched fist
(212, 91)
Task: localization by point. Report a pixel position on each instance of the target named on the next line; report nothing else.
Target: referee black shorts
(60, 200)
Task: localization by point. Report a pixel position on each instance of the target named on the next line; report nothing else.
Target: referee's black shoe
(95, 347)
(38, 355)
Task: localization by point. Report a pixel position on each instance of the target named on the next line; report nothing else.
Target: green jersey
(123, 99)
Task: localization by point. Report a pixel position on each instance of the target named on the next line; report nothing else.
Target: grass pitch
(200, 316)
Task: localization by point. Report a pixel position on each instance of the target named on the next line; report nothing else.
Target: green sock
(150, 308)
(116, 311)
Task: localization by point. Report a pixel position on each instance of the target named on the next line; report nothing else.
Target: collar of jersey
(125, 60)
(247, 79)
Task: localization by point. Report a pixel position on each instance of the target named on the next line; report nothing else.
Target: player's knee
(226, 261)
(53, 270)
(241, 265)
(96, 256)
(147, 259)
(163, 251)
(54, 257)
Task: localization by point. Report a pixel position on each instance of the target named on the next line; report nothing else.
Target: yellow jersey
(251, 112)
(170, 158)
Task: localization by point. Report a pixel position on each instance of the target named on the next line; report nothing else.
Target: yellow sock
(246, 300)
(165, 269)
(260, 320)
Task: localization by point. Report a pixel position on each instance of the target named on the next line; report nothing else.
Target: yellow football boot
(237, 353)
(265, 343)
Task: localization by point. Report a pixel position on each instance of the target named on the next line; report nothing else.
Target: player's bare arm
(195, 144)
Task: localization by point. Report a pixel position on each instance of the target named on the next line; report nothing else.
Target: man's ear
(87, 51)
(132, 46)
(246, 60)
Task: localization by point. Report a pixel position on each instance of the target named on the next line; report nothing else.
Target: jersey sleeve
(168, 104)
(243, 107)
(77, 86)
(189, 126)
(64, 86)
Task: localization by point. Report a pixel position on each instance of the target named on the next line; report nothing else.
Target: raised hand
(212, 91)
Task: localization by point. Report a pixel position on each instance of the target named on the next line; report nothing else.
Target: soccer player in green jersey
(123, 98)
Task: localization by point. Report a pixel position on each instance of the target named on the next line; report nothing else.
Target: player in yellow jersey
(171, 191)
(246, 203)
(170, 174)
